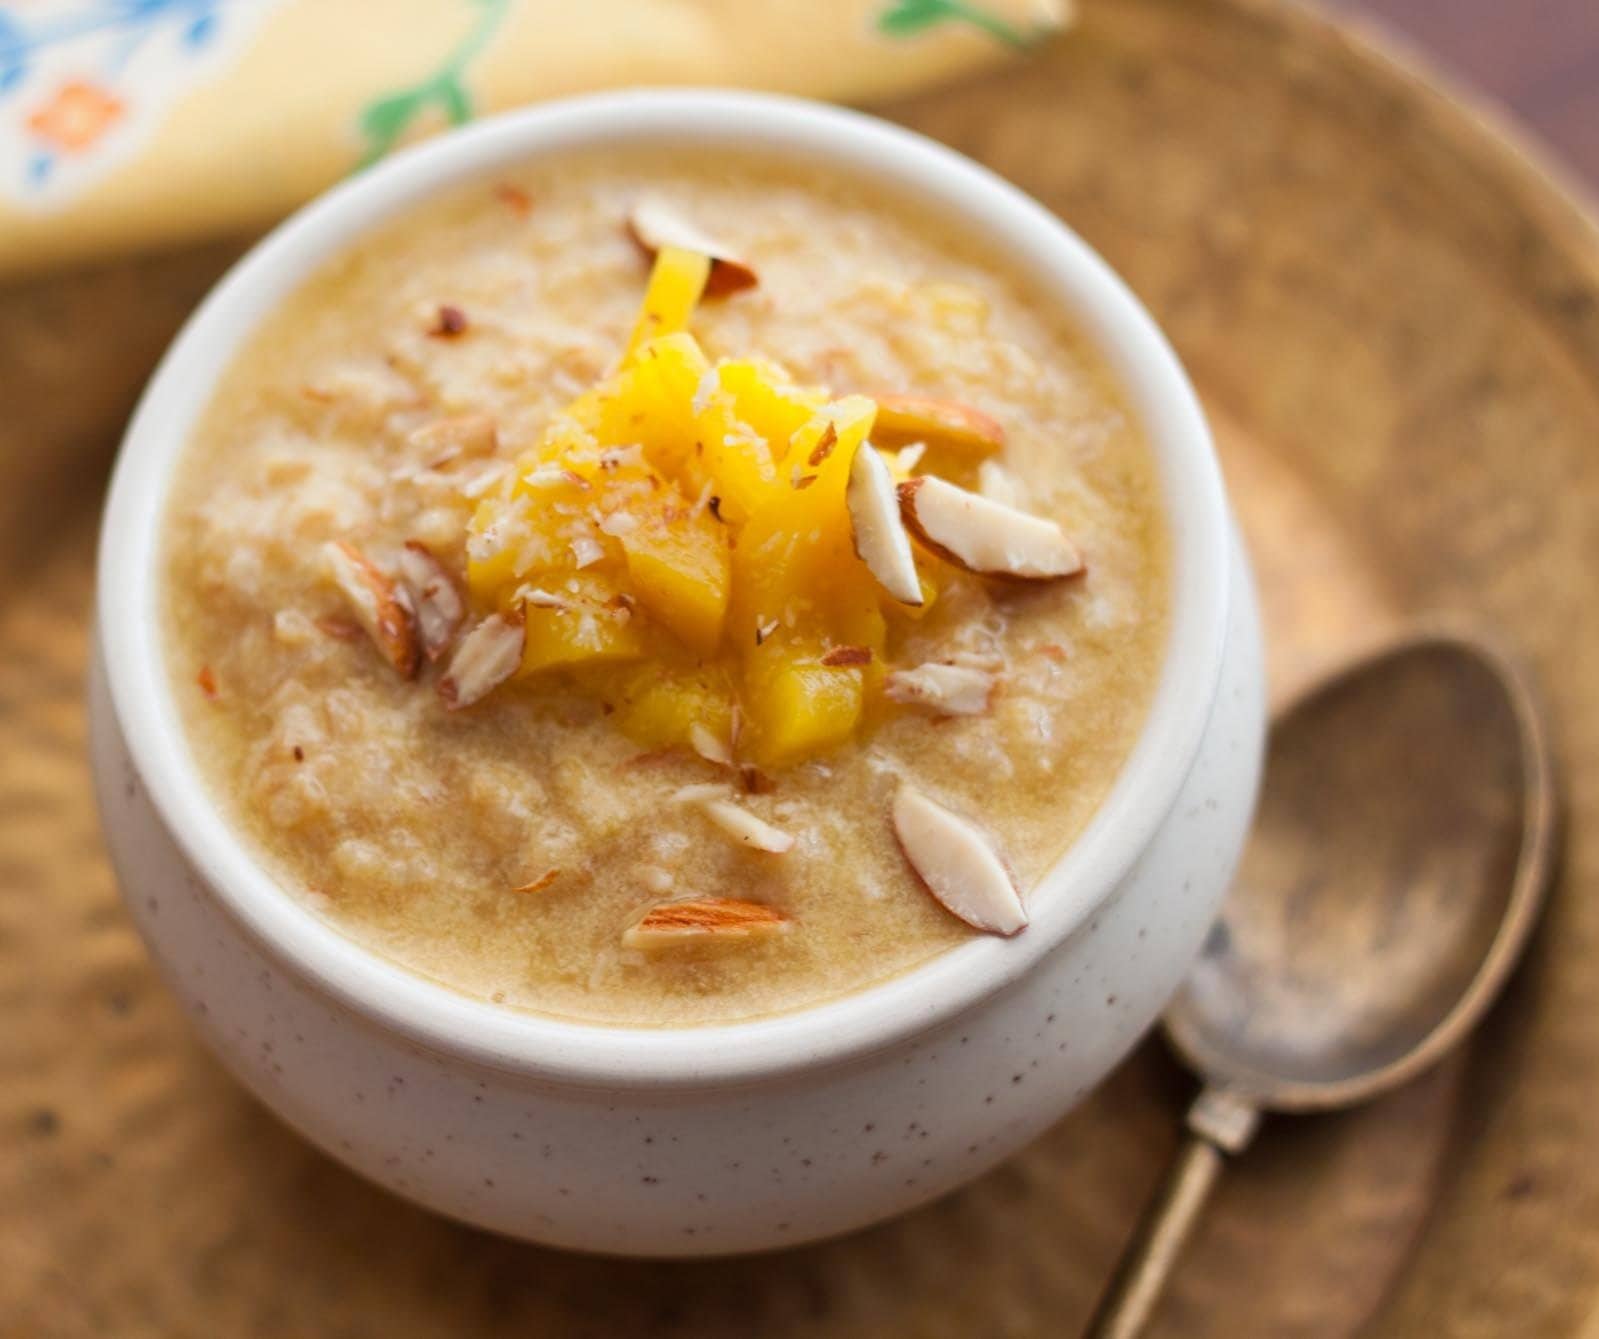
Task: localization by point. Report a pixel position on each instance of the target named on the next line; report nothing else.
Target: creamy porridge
(628, 652)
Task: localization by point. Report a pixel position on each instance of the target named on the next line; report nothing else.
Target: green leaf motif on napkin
(911, 18)
(385, 119)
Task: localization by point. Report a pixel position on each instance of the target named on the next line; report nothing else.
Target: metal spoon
(1405, 837)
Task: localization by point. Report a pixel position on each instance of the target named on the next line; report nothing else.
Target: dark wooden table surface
(1538, 57)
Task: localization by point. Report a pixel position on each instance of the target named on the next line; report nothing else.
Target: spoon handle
(1218, 1122)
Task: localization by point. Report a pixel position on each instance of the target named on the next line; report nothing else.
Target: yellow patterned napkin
(129, 123)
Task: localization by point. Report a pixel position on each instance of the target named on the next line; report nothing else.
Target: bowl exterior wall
(716, 1169)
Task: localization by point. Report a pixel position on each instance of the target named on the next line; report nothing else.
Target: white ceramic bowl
(716, 1139)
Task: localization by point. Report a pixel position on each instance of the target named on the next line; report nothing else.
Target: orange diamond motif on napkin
(76, 116)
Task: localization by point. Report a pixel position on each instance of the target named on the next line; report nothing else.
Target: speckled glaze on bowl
(704, 1140)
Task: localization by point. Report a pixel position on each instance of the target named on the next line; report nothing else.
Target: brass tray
(1393, 315)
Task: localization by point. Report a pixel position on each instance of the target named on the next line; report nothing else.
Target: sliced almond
(484, 659)
(745, 828)
(468, 434)
(653, 225)
(954, 859)
(984, 536)
(708, 746)
(902, 419)
(877, 528)
(703, 920)
(379, 603)
(440, 606)
(949, 690)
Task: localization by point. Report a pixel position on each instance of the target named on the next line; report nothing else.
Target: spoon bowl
(1395, 871)
(1403, 842)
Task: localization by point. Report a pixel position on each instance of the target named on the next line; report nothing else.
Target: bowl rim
(443, 1020)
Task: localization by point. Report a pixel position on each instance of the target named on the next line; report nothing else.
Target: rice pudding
(662, 591)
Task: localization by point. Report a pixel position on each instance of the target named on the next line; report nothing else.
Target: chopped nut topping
(440, 606)
(381, 605)
(709, 747)
(485, 658)
(955, 862)
(950, 690)
(877, 529)
(745, 828)
(984, 536)
(703, 920)
(653, 225)
(903, 419)
(847, 655)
